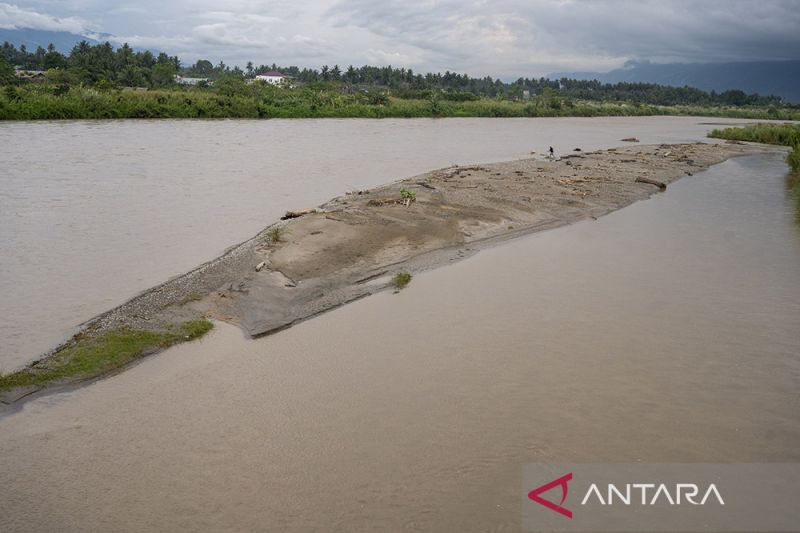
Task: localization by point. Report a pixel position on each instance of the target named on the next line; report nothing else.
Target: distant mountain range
(62, 40)
(779, 78)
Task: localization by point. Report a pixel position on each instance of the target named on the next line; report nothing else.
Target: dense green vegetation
(782, 134)
(102, 82)
(102, 64)
(88, 357)
(258, 100)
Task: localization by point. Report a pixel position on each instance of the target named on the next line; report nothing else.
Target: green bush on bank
(794, 158)
(781, 134)
(237, 99)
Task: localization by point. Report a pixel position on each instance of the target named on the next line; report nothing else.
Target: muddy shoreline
(351, 246)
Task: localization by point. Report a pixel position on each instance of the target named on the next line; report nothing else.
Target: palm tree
(351, 76)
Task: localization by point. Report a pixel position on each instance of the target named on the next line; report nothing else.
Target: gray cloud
(507, 38)
(515, 35)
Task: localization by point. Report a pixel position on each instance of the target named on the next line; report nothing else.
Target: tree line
(96, 64)
(102, 65)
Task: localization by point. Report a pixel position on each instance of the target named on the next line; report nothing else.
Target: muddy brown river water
(668, 331)
(93, 212)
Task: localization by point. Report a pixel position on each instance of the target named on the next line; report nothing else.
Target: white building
(273, 77)
(190, 81)
(26, 74)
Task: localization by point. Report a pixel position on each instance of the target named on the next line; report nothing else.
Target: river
(668, 331)
(93, 212)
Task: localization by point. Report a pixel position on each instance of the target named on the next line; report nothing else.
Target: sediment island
(362, 242)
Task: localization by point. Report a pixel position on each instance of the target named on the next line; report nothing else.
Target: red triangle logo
(560, 482)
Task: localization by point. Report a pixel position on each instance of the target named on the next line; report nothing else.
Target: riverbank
(780, 134)
(36, 103)
(353, 245)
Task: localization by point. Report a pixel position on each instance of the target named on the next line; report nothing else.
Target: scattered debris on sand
(660, 184)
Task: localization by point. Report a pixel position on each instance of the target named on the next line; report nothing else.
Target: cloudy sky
(502, 38)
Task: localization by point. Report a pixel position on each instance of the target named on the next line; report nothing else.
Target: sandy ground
(351, 246)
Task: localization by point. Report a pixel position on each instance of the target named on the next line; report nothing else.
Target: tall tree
(6, 71)
(203, 67)
(163, 74)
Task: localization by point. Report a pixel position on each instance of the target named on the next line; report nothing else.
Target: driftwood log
(297, 214)
(378, 202)
(659, 184)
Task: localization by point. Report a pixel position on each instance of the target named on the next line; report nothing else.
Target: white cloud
(12, 16)
(383, 57)
(154, 42)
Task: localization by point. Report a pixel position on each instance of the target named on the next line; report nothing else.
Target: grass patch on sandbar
(276, 233)
(88, 356)
(401, 281)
